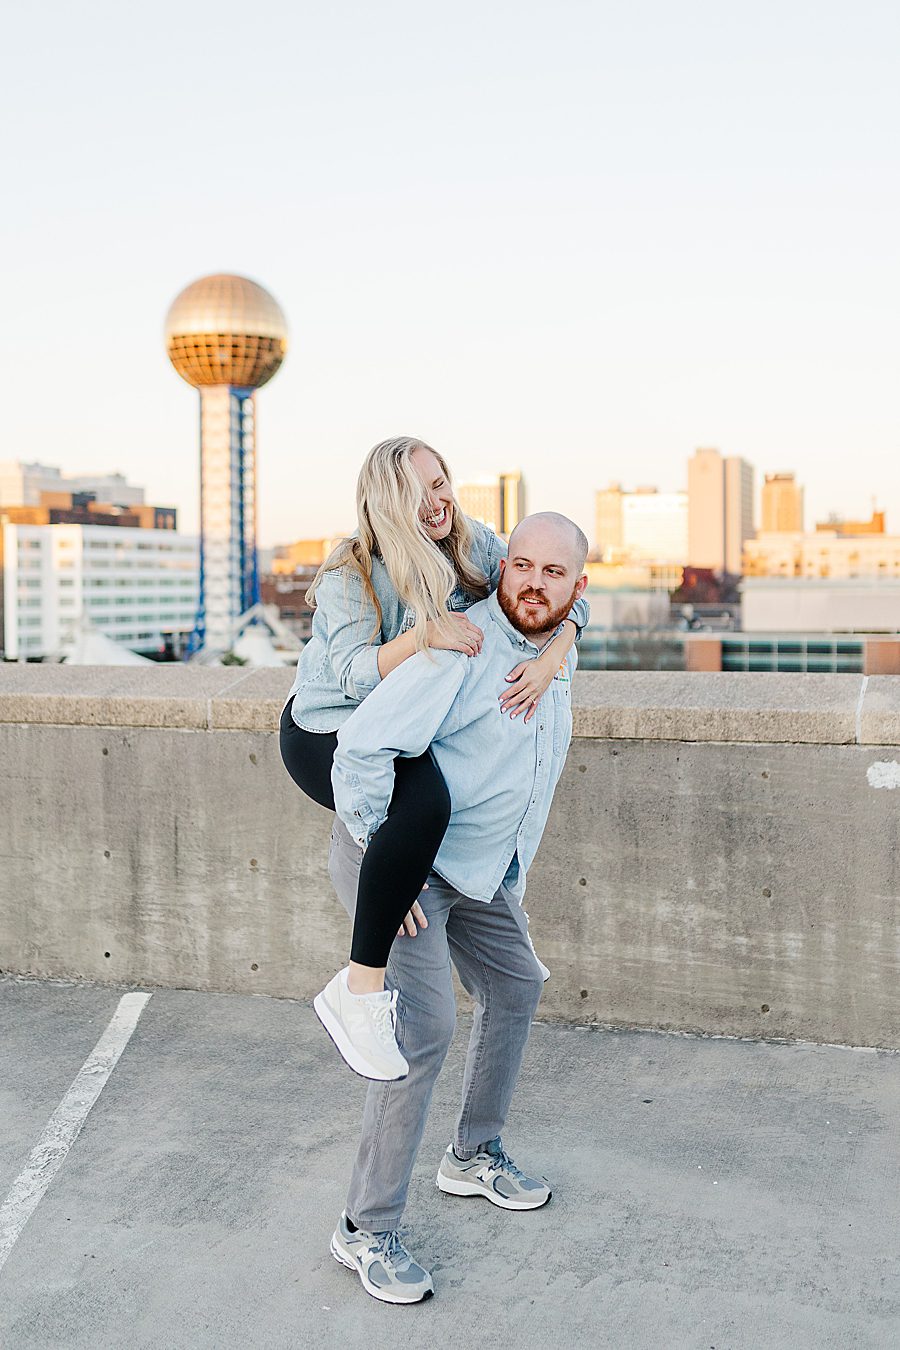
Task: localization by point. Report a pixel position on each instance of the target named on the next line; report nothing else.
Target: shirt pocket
(562, 717)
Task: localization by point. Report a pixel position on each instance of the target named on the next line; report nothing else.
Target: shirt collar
(503, 623)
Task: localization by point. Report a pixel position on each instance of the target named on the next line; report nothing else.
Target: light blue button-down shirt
(501, 771)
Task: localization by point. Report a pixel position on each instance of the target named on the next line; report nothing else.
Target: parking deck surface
(708, 1194)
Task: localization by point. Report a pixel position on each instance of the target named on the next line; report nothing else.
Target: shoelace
(502, 1162)
(384, 1019)
(392, 1249)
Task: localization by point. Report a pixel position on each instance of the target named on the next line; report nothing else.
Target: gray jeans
(489, 946)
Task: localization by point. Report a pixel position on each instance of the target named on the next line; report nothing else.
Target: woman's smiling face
(437, 511)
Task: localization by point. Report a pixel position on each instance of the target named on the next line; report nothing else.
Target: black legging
(400, 854)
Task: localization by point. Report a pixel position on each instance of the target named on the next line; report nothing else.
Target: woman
(399, 585)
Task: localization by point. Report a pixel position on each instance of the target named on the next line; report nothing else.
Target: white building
(627, 608)
(823, 554)
(655, 526)
(21, 484)
(820, 605)
(136, 586)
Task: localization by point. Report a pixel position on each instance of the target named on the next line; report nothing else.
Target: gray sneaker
(383, 1264)
(493, 1174)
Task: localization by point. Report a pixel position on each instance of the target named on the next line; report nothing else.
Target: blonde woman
(400, 585)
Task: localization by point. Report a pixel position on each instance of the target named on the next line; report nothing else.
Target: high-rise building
(608, 519)
(782, 505)
(512, 500)
(137, 586)
(227, 337)
(720, 510)
(23, 484)
(497, 502)
(738, 511)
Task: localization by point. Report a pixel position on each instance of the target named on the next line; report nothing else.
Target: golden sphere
(226, 329)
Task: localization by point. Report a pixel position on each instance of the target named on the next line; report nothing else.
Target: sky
(578, 238)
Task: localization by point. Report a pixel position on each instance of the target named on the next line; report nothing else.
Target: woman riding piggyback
(399, 585)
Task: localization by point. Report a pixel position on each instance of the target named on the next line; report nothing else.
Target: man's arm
(401, 716)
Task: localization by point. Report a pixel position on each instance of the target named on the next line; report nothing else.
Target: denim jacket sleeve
(496, 550)
(350, 618)
(401, 717)
(580, 614)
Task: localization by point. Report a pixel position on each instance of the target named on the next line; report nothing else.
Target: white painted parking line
(64, 1126)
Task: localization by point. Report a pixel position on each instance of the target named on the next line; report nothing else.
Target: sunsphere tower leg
(228, 572)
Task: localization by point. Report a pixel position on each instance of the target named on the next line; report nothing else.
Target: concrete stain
(884, 773)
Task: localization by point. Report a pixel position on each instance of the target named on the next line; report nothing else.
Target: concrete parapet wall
(722, 854)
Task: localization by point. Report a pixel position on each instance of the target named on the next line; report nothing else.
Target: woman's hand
(465, 636)
(529, 679)
(415, 916)
(527, 682)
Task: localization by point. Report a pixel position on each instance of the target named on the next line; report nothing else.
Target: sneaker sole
(380, 1294)
(452, 1187)
(345, 1046)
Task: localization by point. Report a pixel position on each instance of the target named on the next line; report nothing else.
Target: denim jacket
(501, 771)
(338, 666)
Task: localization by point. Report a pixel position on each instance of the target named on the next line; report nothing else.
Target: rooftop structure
(836, 525)
(81, 508)
(23, 484)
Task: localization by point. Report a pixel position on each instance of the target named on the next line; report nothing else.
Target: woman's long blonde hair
(424, 572)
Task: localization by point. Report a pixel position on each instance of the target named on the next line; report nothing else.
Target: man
(501, 772)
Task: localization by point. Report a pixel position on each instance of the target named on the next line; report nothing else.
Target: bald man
(501, 772)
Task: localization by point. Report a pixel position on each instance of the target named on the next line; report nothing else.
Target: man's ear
(503, 567)
(580, 586)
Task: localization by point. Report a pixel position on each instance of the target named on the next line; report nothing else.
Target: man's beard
(530, 621)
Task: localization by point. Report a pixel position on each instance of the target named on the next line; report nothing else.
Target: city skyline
(689, 239)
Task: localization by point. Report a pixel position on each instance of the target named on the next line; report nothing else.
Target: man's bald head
(542, 574)
(550, 525)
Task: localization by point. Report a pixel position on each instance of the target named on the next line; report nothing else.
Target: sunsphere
(226, 336)
(227, 330)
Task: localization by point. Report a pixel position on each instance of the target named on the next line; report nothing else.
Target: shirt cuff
(580, 614)
(362, 821)
(364, 671)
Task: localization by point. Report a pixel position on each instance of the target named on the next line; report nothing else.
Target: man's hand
(415, 916)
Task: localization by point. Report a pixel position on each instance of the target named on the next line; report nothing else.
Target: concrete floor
(709, 1194)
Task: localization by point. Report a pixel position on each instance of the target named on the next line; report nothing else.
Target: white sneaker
(362, 1027)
